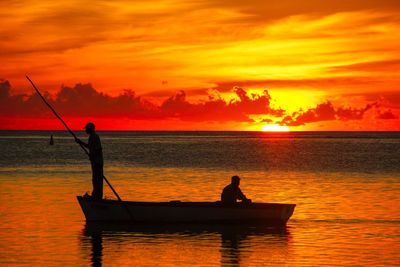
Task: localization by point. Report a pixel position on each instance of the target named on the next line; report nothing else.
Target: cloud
(265, 40)
(217, 109)
(83, 100)
(80, 100)
(387, 115)
(316, 83)
(325, 112)
(211, 110)
(391, 99)
(21, 104)
(269, 10)
(372, 67)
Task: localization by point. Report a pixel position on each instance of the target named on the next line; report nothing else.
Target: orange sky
(202, 65)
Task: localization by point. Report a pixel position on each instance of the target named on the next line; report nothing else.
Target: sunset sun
(275, 128)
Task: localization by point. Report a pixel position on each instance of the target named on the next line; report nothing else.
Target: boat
(107, 210)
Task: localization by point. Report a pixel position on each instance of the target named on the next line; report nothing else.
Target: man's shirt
(231, 193)
(95, 150)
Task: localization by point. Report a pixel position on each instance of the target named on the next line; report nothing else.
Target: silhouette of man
(232, 192)
(96, 159)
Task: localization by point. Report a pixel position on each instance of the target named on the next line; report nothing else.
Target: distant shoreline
(220, 134)
(196, 131)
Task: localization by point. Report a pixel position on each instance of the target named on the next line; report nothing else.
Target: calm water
(346, 187)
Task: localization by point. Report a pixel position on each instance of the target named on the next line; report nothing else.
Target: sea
(346, 187)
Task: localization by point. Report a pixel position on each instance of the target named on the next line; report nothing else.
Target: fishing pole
(73, 134)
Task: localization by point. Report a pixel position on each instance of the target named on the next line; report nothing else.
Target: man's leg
(97, 181)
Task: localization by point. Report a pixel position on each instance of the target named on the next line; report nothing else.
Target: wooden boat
(184, 212)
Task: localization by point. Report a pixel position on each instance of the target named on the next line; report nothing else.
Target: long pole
(73, 134)
(55, 113)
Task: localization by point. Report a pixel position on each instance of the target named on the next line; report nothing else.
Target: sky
(201, 64)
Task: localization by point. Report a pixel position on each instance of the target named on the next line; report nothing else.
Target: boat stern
(287, 212)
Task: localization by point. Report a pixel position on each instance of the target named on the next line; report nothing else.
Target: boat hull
(184, 212)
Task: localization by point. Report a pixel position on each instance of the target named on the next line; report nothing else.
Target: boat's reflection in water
(232, 239)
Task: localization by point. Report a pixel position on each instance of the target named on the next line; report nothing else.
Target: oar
(73, 134)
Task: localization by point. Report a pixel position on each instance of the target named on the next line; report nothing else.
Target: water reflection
(231, 243)
(234, 241)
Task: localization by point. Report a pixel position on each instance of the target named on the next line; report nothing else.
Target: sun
(275, 128)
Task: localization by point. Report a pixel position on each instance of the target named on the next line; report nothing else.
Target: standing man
(96, 159)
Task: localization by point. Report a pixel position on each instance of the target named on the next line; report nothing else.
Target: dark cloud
(83, 100)
(325, 112)
(216, 109)
(390, 99)
(387, 115)
(22, 104)
(178, 106)
(266, 121)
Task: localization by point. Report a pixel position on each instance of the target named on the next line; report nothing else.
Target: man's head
(89, 127)
(235, 180)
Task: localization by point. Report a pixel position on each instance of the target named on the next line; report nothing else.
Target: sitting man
(232, 192)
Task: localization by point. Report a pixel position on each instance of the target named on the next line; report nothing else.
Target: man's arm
(242, 197)
(79, 141)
